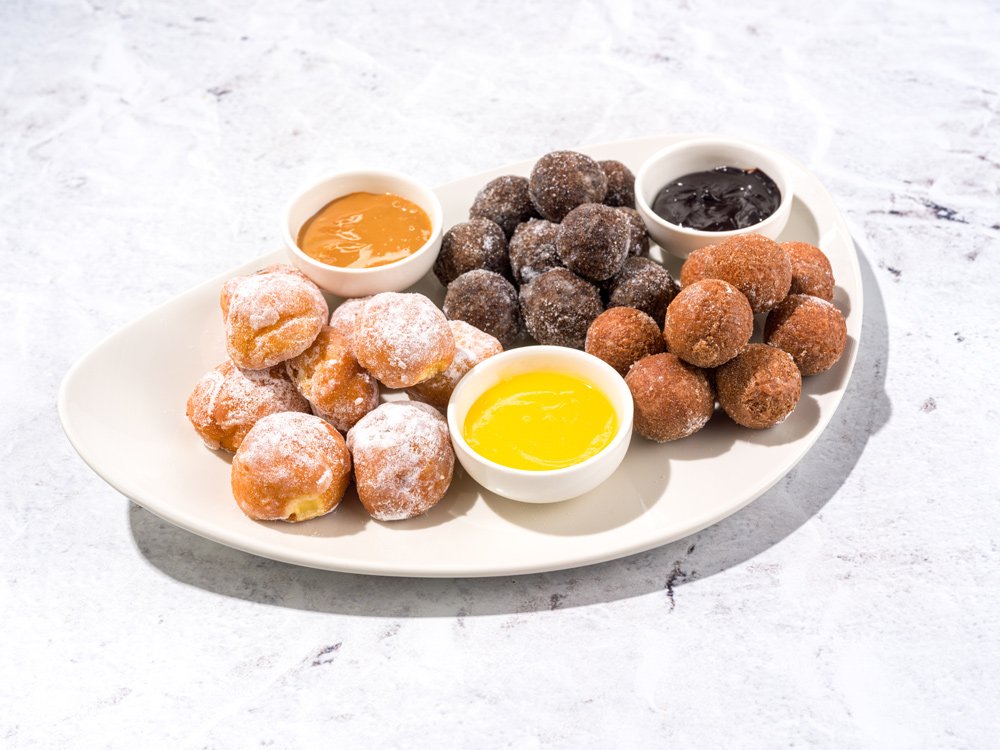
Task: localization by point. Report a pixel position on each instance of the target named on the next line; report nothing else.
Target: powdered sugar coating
(290, 467)
(228, 401)
(344, 318)
(672, 399)
(403, 339)
(472, 346)
(403, 459)
(708, 323)
(328, 375)
(272, 317)
(229, 286)
(533, 250)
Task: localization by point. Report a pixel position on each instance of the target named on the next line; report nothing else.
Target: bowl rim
(436, 216)
(780, 178)
(623, 431)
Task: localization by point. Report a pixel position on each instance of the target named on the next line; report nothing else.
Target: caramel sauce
(364, 230)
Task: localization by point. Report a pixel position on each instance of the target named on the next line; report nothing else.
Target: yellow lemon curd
(540, 421)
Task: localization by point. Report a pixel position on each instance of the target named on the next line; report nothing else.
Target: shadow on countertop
(865, 408)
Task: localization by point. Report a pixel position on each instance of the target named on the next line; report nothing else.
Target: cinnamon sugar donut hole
(402, 339)
(472, 346)
(271, 316)
(708, 323)
(562, 180)
(672, 399)
(403, 459)
(753, 263)
(760, 387)
(811, 270)
(336, 386)
(228, 401)
(811, 329)
(694, 267)
(290, 467)
(621, 336)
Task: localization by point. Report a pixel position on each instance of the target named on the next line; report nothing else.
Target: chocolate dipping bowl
(699, 155)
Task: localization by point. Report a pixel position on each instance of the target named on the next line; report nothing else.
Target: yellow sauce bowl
(541, 485)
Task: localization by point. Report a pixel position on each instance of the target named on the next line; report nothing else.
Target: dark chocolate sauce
(718, 200)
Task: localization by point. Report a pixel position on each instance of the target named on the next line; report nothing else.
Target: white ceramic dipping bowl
(361, 282)
(698, 155)
(556, 484)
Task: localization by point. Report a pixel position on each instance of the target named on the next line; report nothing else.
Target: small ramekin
(695, 156)
(361, 282)
(556, 484)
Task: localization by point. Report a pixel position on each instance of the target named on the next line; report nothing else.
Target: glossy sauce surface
(718, 200)
(363, 230)
(540, 421)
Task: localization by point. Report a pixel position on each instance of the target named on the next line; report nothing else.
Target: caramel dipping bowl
(361, 282)
(702, 154)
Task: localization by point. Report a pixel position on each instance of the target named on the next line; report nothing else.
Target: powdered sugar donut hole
(290, 467)
(344, 317)
(271, 317)
(403, 339)
(228, 401)
(403, 459)
(329, 376)
(472, 346)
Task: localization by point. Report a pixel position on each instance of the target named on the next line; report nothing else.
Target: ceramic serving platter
(122, 407)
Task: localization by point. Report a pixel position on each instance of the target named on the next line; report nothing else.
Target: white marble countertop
(147, 146)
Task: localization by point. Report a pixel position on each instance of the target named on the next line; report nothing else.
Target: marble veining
(149, 146)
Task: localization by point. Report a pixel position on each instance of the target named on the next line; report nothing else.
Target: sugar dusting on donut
(344, 318)
(286, 451)
(329, 376)
(403, 459)
(472, 346)
(403, 339)
(272, 317)
(290, 467)
(228, 401)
